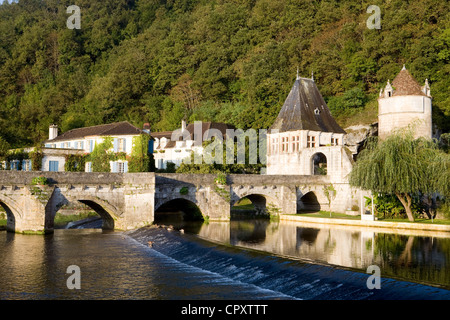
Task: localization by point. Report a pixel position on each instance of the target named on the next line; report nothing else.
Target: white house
(175, 146)
(83, 141)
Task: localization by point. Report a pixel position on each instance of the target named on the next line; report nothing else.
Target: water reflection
(420, 257)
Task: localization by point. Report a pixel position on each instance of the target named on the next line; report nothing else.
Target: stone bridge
(130, 201)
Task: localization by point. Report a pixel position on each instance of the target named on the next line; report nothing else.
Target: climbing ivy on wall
(140, 160)
(36, 157)
(75, 163)
(101, 156)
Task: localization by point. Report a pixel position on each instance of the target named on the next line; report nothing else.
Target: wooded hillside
(231, 61)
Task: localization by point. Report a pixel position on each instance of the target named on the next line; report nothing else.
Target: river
(241, 259)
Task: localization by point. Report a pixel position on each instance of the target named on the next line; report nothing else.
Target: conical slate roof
(305, 109)
(405, 85)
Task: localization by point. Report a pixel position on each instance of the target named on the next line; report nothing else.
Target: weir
(128, 201)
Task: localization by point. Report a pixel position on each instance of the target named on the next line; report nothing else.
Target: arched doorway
(319, 164)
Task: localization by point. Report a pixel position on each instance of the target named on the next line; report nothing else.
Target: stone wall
(401, 111)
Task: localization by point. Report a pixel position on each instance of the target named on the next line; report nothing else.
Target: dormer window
(388, 90)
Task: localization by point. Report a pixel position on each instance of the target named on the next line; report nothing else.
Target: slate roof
(112, 129)
(404, 84)
(305, 109)
(205, 126)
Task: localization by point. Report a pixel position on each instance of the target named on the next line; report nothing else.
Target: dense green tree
(403, 166)
(233, 61)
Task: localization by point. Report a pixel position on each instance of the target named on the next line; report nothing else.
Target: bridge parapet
(124, 201)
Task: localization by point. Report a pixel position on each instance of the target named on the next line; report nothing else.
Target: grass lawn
(62, 220)
(244, 204)
(326, 214)
(427, 221)
(335, 215)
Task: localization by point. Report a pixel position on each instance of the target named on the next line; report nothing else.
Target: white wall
(46, 162)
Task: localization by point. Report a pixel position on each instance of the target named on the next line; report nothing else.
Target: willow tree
(403, 166)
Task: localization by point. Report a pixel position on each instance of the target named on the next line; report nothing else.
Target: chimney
(183, 125)
(146, 128)
(52, 132)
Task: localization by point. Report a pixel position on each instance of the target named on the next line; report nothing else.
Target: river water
(242, 259)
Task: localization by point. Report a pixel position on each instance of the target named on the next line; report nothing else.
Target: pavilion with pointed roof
(305, 139)
(305, 109)
(405, 103)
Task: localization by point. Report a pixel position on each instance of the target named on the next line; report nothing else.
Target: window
(295, 144)
(311, 143)
(284, 144)
(120, 167)
(121, 145)
(26, 165)
(334, 141)
(14, 165)
(274, 145)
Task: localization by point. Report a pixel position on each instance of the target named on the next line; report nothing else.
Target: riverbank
(356, 221)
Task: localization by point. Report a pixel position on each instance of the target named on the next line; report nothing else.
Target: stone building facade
(305, 139)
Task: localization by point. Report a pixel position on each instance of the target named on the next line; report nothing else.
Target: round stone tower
(404, 103)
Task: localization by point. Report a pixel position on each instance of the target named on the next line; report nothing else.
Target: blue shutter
(114, 167)
(53, 166)
(61, 145)
(75, 145)
(150, 146)
(91, 145)
(124, 145)
(29, 166)
(24, 163)
(116, 145)
(82, 145)
(125, 166)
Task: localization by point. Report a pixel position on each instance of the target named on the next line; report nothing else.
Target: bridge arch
(181, 206)
(12, 212)
(264, 205)
(309, 202)
(105, 210)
